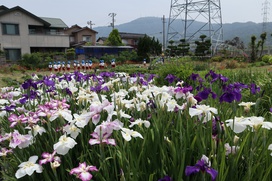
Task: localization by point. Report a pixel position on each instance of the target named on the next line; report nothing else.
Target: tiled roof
(55, 22)
(3, 8)
(84, 28)
(18, 8)
(131, 35)
(101, 38)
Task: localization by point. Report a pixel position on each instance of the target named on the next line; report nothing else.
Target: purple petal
(212, 172)
(191, 170)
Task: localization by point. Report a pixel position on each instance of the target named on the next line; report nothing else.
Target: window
(87, 38)
(13, 54)
(72, 39)
(10, 29)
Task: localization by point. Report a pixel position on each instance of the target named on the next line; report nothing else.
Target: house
(80, 35)
(22, 32)
(128, 39)
(131, 39)
(101, 40)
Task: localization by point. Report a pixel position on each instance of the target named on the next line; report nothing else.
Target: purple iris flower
(170, 78)
(205, 94)
(48, 82)
(79, 76)
(232, 92)
(9, 108)
(202, 165)
(67, 91)
(254, 88)
(33, 95)
(29, 83)
(217, 127)
(223, 78)
(166, 178)
(237, 85)
(107, 74)
(99, 88)
(194, 76)
(133, 75)
(140, 74)
(23, 100)
(143, 82)
(187, 89)
(151, 104)
(215, 77)
(151, 76)
(230, 96)
(270, 109)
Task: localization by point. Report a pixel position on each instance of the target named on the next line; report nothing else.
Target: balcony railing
(46, 33)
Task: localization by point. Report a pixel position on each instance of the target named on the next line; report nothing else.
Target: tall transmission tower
(190, 19)
(265, 13)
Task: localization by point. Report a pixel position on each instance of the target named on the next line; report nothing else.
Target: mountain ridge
(153, 27)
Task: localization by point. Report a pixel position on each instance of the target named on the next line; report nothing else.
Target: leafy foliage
(178, 68)
(202, 46)
(32, 61)
(114, 39)
(148, 46)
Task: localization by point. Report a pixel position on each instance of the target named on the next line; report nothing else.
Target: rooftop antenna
(90, 24)
(195, 18)
(113, 20)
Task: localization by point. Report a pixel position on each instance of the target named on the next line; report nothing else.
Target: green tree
(114, 39)
(184, 47)
(70, 54)
(262, 41)
(147, 46)
(253, 47)
(171, 49)
(203, 46)
(236, 42)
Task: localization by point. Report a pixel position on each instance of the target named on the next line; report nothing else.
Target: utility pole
(113, 20)
(163, 33)
(90, 23)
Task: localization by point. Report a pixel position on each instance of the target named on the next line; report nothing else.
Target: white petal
(20, 173)
(127, 137)
(194, 112)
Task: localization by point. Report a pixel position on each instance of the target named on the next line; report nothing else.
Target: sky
(98, 11)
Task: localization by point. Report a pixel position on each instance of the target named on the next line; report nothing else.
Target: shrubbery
(267, 59)
(177, 68)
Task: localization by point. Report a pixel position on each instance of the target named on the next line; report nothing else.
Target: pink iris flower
(47, 158)
(82, 171)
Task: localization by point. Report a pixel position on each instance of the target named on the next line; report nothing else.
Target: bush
(266, 58)
(177, 68)
(31, 61)
(232, 64)
(217, 59)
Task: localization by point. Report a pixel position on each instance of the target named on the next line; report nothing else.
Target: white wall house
(23, 32)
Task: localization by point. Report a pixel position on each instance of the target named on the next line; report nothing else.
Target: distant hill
(153, 26)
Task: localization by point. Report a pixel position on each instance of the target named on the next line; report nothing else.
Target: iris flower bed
(115, 126)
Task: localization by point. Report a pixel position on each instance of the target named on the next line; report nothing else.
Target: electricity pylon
(190, 19)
